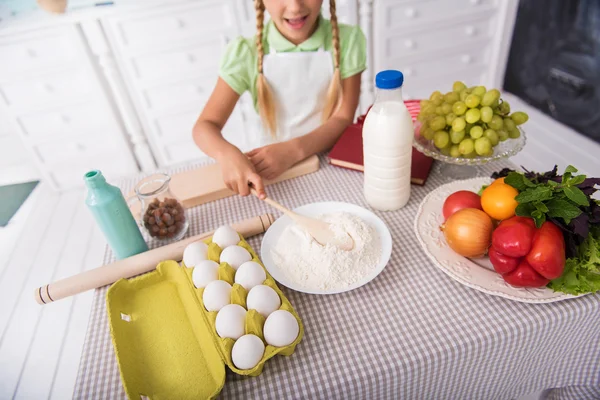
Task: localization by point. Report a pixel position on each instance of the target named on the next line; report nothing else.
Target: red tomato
(459, 200)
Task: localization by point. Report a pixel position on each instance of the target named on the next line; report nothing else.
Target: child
(303, 73)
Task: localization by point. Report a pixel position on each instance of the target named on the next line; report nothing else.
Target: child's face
(295, 19)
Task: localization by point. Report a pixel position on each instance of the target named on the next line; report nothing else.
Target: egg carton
(165, 340)
(254, 321)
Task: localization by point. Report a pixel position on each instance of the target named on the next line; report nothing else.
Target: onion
(469, 232)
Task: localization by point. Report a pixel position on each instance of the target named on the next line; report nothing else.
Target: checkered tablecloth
(411, 333)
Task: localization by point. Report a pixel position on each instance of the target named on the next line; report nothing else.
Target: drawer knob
(410, 43)
(199, 89)
(77, 147)
(191, 58)
(408, 71)
(65, 119)
(48, 88)
(466, 59)
(475, 2)
(31, 53)
(410, 12)
(470, 30)
(180, 23)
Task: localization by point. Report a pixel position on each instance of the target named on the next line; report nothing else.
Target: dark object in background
(554, 61)
(12, 198)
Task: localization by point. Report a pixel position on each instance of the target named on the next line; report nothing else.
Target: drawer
(397, 14)
(423, 87)
(175, 95)
(173, 25)
(427, 40)
(12, 151)
(68, 150)
(177, 62)
(447, 62)
(177, 127)
(182, 151)
(26, 53)
(75, 119)
(69, 176)
(47, 89)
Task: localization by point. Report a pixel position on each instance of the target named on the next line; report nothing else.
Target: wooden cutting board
(205, 184)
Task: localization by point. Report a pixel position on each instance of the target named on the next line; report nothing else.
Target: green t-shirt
(239, 63)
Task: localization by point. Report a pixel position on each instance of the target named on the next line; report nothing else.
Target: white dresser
(437, 42)
(119, 88)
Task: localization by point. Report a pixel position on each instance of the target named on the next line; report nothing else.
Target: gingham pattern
(411, 333)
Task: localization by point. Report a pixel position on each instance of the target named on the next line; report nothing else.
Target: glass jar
(162, 214)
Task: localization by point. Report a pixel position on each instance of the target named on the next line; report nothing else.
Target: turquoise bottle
(109, 208)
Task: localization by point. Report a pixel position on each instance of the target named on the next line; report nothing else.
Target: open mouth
(296, 23)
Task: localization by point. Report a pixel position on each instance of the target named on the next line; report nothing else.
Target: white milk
(387, 144)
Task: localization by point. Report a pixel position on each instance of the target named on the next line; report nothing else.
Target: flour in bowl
(316, 267)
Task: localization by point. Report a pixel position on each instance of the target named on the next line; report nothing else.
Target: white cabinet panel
(79, 119)
(400, 13)
(182, 151)
(12, 151)
(73, 149)
(178, 94)
(40, 50)
(454, 61)
(422, 88)
(431, 41)
(176, 62)
(46, 89)
(171, 25)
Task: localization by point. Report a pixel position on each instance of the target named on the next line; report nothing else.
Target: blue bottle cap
(390, 79)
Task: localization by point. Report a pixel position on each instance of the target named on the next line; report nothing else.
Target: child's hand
(272, 160)
(238, 172)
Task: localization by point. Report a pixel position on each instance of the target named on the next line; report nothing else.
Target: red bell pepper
(525, 255)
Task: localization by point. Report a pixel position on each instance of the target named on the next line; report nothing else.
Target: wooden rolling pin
(138, 264)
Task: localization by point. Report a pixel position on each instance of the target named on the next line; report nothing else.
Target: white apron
(299, 82)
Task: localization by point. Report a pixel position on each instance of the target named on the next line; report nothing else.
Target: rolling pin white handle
(138, 264)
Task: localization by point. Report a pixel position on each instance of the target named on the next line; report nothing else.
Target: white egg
(204, 273)
(217, 295)
(250, 274)
(231, 321)
(194, 253)
(281, 329)
(235, 256)
(247, 351)
(263, 299)
(225, 236)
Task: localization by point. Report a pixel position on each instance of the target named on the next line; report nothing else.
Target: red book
(348, 151)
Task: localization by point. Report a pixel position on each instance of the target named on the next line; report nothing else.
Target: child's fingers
(243, 188)
(258, 185)
(252, 153)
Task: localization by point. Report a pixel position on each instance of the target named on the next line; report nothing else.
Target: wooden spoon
(320, 230)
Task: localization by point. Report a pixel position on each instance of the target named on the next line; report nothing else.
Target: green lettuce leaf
(582, 274)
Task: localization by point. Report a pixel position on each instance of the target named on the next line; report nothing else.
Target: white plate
(479, 273)
(314, 210)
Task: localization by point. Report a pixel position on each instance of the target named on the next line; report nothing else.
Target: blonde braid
(266, 103)
(334, 93)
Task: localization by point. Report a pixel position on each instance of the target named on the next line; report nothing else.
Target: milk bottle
(387, 145)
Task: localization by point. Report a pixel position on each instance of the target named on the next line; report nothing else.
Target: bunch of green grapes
(468, 122)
